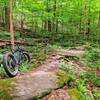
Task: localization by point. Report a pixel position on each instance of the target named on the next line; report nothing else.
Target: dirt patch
(60, 94)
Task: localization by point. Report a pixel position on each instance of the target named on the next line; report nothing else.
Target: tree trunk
(56, 25)
(49, 25)
(88, 20)
(54, 22)
(22, 15)
(49, 21)
(45, 23)
(11, 24)
(99, 21)
(7, 16)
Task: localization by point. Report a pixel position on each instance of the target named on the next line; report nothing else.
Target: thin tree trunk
(98, 26)
(45, 25)
(54, 22)
(36, 24)
(49, 21)
(49, 25)
(11, 24)
(99, 21)
(88, 27)
(7, 16)
(56, 25)
(88, 20)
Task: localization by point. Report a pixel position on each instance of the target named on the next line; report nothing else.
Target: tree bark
(49, 25)
(7, 16)
(11, 24)
(54, 22)
(49, 21)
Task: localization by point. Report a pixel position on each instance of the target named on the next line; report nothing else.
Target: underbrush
(86, 85)
(91, 59)
(38, 53)
(5, 86)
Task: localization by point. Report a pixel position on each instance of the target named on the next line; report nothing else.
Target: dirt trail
(42, 80)
(53, 61)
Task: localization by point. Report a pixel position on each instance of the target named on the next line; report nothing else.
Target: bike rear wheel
(10, 64)
(25, 57)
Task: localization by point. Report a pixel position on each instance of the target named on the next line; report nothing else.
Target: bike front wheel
(10, 64)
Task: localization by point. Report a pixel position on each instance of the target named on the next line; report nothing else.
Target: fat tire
(5, 65)
(28, 56)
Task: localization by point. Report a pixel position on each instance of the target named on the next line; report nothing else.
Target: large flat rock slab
(34, 84)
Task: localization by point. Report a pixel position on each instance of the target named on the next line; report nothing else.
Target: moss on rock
(74, 94)
(62, 78)
(5, 86)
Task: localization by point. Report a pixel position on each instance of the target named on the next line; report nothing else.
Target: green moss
(62, 78)
(74, 94)
(5, 85)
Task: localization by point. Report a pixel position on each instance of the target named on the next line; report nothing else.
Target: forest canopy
(56, 19)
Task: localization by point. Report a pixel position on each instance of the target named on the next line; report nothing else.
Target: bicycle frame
(19, 50)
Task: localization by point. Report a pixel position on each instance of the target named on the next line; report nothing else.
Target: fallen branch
(22, 42)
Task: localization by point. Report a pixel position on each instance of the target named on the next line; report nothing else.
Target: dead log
(23, 42)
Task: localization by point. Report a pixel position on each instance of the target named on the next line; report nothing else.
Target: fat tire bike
(12, 60)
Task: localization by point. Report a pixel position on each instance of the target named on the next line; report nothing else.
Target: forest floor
(42, 82)
(43, 78)
(53, 64)
(54, 60)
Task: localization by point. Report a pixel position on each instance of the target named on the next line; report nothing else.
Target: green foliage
(38, 53)
(36, 98)
(81, 86)
(24, 67)
(71, 22)
(71, 57)
(68, 68)
(92, 58)
(5, 85)
(62, 78)
(75, 94)
(96, 94)
(92, 61)
(2, 74)
(4, 34)
(93, 78)
(55, 46)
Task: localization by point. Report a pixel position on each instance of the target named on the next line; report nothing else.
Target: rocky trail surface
(43, 80)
